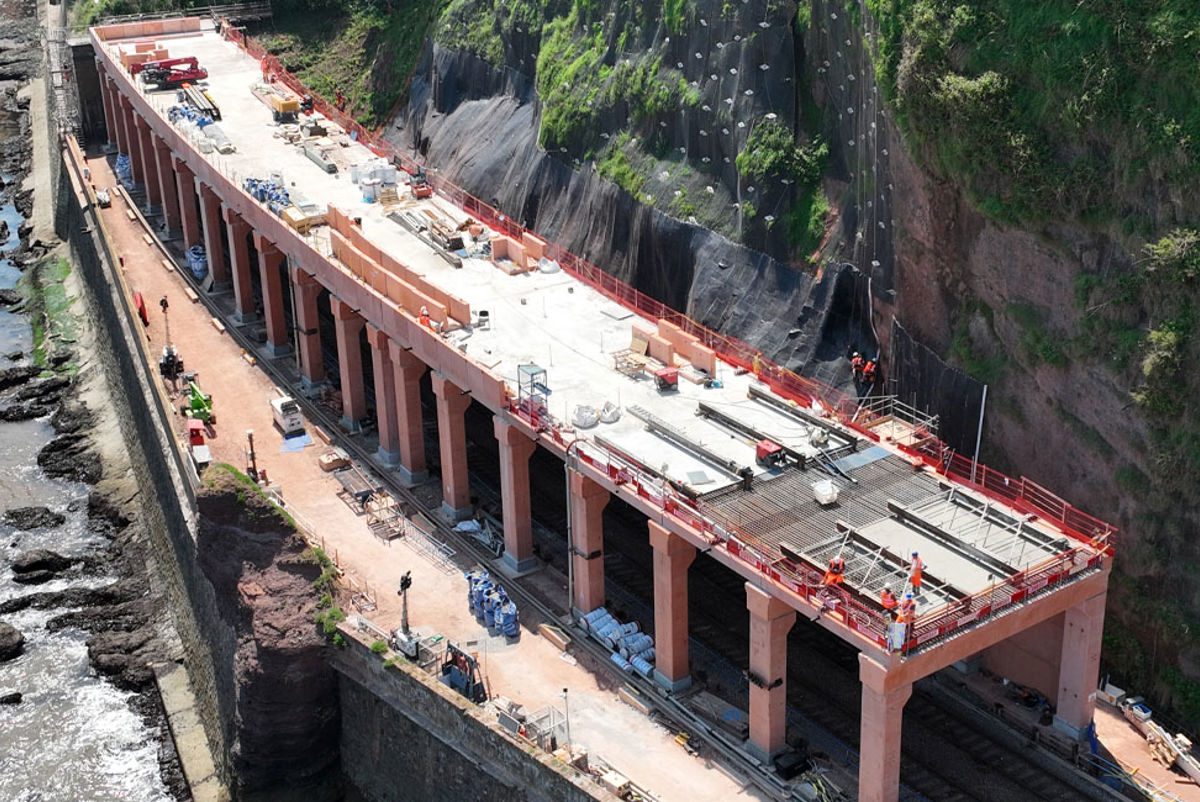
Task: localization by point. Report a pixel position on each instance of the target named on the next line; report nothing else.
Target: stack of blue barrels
(490, 604)
(268, 191)
(633, 650)
(185, 112)
(124, 169)
(197, 261)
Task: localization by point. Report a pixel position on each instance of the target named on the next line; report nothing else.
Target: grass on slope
(370, 52)
(1048, 109)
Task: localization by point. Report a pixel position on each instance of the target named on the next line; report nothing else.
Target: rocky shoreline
(129, 628)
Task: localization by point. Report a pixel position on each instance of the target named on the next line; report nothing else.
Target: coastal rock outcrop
(32, 518)
(12, 642)
(283, 724)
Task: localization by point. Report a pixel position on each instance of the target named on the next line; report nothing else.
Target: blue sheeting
(296, 442)
(861, 458)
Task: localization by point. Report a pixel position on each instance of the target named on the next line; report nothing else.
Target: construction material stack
(490, 604)
(633, 650)
(199, 128)
(200, 100)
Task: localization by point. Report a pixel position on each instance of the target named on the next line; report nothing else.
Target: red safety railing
(1021, 494)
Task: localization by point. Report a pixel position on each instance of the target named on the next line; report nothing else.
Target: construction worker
(837, 571)
(916, 566)
(908, 610)
(756, 365)
(339, 98)
(856, 365)
(888, 600)
(263, 63)
(424, 319)
(868, 372)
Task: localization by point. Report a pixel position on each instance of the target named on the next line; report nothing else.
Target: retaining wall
(406, 737)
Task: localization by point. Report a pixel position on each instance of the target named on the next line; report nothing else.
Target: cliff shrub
(1050, 109)
(583, 77)
(368, 48)
(379, 647)
(771, 152)
(616, 166)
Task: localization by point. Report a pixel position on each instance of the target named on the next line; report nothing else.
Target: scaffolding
(902, 423)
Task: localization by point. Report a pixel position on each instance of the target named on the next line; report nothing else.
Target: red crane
(170, 73)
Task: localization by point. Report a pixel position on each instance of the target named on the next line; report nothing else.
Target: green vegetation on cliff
(367, 49)
(1050, 109)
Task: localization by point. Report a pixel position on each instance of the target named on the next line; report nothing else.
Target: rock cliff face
(283, 726)
(999, 302)
(1005, 304)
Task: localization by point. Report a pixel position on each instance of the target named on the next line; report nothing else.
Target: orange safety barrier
(1021, 494)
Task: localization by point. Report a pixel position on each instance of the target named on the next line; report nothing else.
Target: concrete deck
(571, 330)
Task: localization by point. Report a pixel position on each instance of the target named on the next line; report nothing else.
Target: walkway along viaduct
(1039, 620)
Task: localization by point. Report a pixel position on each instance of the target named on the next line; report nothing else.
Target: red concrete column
(149, 164)
(136, 164)
(880, 733)
(407, 372)
(210, 215)
(118, 107)
(672, 556)
(269, 260)
(452, 404)
(348, 324)
(515, 451)
(106, 96)
(237, 230)
(308, 332)
(1079, 668)
(585, 542)
(166, 184)
(770, 621)
(189, 216)
(385, 396)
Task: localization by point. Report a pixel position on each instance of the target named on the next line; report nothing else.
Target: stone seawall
(167, 499)
(407, 737)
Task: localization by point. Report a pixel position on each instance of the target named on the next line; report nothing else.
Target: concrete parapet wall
(428, 744)
(391, 270)
(149, 28)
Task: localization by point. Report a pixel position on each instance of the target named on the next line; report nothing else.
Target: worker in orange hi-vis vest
(856, 365)
(837, 571)
(756, 365)
(888, 600)
(908, 610)
(424, 319)
(916, 567)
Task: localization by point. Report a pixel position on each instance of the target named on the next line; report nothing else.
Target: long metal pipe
(979, 434)
(570, 532)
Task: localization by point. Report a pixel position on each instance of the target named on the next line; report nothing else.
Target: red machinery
(170, 73)
(769, 454)
(667, 378)
(420, 184)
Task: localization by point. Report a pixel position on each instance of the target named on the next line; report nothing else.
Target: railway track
(944, 758)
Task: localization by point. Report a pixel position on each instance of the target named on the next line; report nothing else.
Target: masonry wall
(405, 737)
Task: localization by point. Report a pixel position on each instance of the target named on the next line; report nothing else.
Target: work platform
(867, 482)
